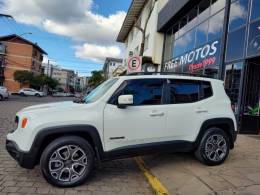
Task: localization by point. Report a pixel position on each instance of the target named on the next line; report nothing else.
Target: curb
(152, 180)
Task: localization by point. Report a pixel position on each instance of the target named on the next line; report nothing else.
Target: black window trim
(164, 89)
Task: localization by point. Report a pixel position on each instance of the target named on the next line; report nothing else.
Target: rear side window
(188, 91)
(183, 91)
(206, 90)
(145, 91)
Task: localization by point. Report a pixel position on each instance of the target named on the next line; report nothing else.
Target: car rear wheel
(214, 147)
(22, 94)
(67, 161)
(37, 95)
(1, 97)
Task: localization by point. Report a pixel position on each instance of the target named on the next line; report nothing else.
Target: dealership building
(218, 39)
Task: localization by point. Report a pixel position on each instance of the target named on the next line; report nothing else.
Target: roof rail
(166, 73)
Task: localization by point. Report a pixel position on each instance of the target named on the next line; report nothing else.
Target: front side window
(145, 91)
(183, 91)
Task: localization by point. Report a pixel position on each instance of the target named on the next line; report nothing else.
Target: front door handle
(201, 110)
(157, 114)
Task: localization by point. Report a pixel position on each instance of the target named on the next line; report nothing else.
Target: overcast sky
(76, 34)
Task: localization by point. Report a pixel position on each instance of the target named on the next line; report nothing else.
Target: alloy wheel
(216, 148)
(68, 163)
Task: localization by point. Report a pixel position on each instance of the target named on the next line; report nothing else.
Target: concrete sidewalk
(183, 174)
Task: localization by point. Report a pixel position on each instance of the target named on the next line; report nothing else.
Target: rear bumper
(25, 160)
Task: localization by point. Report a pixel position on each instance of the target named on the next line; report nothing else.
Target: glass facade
(193, 43)
(188, 43)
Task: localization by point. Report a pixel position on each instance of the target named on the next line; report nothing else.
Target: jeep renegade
(123, 117)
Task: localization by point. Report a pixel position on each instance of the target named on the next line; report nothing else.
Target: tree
(143, 29)
(35, 81)
(23, 76)
(96, 78)
(39, 81)
(52, 83)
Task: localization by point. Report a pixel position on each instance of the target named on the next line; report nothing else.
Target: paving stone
(109, 178)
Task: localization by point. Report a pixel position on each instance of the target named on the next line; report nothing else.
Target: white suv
(123, 117)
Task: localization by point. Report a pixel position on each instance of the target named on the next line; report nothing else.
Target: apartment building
(66, 78)
(140, 26)
(18, 53)
(110, 65)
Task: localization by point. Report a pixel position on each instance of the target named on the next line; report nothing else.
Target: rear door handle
(201, 110)
(157, 114)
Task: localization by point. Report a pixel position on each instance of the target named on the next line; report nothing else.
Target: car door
(187, 107)
(140, 123)
(26, 91)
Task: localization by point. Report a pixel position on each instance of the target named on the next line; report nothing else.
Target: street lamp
(6, 16)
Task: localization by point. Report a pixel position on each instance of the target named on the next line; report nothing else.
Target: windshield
(99, 91)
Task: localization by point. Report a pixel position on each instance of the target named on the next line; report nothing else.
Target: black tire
(210, 152)
(22, 94)
(1, 97)
(37, 95)
(63, 177)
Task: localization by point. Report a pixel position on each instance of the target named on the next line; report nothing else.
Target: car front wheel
(214, 147)
(67, 161)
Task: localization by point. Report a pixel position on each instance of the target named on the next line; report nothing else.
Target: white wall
(155, 45)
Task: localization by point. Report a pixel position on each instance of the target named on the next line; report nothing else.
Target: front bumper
(25, 159)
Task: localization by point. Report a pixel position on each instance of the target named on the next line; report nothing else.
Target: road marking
(152, 180)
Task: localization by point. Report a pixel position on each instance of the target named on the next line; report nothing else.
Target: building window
(204, 10)
(253, 47)
(202, 33)
(136, 50)
(238, 14)
(216, 26)
(232, 83)
(217, 5)
(146, 42)
(255, 13)
(168, 45)
(235, 45)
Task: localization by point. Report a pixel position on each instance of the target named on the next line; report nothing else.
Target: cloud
(71, 18)
(97, 53)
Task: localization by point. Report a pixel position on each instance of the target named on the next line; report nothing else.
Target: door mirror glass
(124, 100)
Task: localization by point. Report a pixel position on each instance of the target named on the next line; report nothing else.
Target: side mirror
(125, 100)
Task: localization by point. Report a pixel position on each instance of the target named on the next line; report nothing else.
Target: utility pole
(2, 57)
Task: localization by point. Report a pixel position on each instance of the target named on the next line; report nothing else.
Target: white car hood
(59, 106)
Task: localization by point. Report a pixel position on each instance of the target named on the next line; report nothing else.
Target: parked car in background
(62, 94)
(31, 92)
(4, 93)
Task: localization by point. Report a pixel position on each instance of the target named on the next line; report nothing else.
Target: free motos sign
(199, 58)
